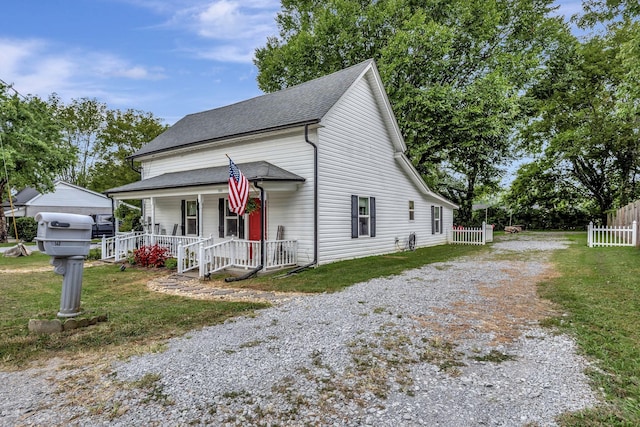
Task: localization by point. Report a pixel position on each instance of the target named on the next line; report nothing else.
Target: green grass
(336, 276)
(138, 318)
(600, 290)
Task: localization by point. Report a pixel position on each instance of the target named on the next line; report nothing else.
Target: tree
(580, 123)
(33, 151)
(123, 133)
(454, 71)
(544, 197)
(83, 119)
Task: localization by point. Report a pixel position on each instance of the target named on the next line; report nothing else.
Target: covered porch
(204, 255)
(188, 213)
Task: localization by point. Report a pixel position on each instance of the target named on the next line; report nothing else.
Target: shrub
(151, 256)
(95, 254)
(27, 228)
(129, 218)
(171, 264)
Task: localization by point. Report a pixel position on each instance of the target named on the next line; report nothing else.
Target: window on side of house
(363, 216)
(412, 211)
(191, 217)
(436, 220)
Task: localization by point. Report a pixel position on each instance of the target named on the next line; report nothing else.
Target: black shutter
(441, 221)
(183, 210)
(241, 227)
(221, 218)
(198, 218)
(372, 216)
(354, 217)
(433, 220)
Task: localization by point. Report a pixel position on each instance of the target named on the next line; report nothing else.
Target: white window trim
(367, 216)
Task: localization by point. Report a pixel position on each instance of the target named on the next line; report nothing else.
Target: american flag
(238, 189)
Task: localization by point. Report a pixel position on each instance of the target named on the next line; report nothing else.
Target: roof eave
(226, 137)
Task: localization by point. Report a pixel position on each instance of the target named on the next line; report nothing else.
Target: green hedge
(27, 228)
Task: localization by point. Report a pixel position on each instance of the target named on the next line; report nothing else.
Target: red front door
(254, 223)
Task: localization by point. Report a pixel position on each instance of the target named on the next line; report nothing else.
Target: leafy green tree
(580, 124)
(454, 71)
(82, 120)
(542, 196)
(32, 147)
(123, 133)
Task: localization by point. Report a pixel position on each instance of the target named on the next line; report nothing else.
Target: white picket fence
(612, 236)
(471, 235)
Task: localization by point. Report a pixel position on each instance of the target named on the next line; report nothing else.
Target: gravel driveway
(451, 344)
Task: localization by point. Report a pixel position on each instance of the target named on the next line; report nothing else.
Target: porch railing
(197, 253)
(469, 235)
(188, 255)
(120, 246)
(612, 236)
(246, 254)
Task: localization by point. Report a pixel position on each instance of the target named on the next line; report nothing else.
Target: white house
(65, 197)
(326, 157)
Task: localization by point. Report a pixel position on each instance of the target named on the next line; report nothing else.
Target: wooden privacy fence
(471, 235)
(612, 235)
(625, 216)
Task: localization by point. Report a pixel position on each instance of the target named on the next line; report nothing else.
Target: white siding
(292, 209)
(357, 158)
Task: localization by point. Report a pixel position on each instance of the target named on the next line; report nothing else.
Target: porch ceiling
(254, 171)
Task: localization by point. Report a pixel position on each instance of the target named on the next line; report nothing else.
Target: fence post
(589, 231)
(103, 247)
(634, 234)
(484, 233)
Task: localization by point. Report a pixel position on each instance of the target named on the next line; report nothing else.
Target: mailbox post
(67, 239)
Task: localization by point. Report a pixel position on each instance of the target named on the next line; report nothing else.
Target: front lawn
(140, 318)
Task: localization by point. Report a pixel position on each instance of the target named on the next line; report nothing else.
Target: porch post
(115, 219)
(200, 217)
(153, 220)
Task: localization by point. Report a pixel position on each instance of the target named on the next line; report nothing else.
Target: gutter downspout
(315, 204)
(262, 254)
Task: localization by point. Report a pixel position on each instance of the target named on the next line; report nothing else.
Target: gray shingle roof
(304, 103)
(22, 197)
(261, 171)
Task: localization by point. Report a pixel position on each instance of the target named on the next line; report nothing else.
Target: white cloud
(229, 30)
(40, 68)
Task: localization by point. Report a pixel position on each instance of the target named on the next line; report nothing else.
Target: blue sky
(170, 58)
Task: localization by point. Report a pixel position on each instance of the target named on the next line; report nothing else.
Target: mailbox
(64, 235)
(66, 238)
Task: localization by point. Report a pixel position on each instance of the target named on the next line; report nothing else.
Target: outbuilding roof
(294, 106)
(253, 171)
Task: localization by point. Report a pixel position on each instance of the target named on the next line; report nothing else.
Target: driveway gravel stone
(449, 344)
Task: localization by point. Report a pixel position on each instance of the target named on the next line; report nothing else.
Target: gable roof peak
(296, 105)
